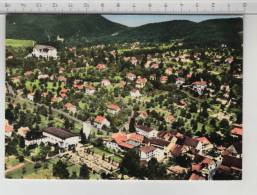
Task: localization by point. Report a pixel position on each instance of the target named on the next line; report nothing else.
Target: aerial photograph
(123, 97)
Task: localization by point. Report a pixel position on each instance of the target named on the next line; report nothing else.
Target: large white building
(63, 138)
(44, 51)
(149, 152)
(146, 131)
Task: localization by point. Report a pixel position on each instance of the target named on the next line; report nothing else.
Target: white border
(246, 186)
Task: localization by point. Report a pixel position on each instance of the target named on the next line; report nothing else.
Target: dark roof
(144, 128)
(231, 161)
(60, 133)
(191, 142)
(159, 142)
(177, 151)
(147, 149)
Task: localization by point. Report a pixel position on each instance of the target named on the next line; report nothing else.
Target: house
(177, 170)
(206, 144)
(155, 66)
(140, 82)
(162, 144)
(43, 76)
(180, 81)
(101, 121)
(62, 137)
(146, 153)
(113, 108)
(143, 114)
(8, 129)
(153, 77)
(90, 90)
(123, 142)
(22, 131)
(100, 67)
(135, 93)
(44, 51)
(133, 61)
(163, 79)
(196, 177)
(168, 71)
(105, 82)
(199, 86)
(131, 76)
(30, 96)
(230, 166)
(169, 118)
(236, 131)
(56, 99)
(62, 79)
(70, 107)
(28, 73)
(193, 143)
(146, 131)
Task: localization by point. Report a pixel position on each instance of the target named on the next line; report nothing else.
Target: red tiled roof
(99, 119)
(68, 105)
(113, 107)
(126, 145)
(135, 137)
(100, 66)
(199, 83)
(237, 131)
(8, 127)
(203, 140)
(119, 137)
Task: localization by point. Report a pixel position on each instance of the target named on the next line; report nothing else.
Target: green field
(19, 43)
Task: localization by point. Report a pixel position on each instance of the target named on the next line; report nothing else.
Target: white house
(146, 131)
(135, 93)
(62, 137)
(199, 86)
(87, 127)
(148, 152)
(90, 90)
(30, 96)
(180, 81)
(44, 51)
(100, 121)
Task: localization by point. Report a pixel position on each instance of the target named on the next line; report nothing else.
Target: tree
(84, 172)
(130, 164)
(132, 125)
(60, 170)
(83, 137)
(224, 124)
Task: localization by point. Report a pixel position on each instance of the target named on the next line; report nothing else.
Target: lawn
(101, 151)
(11, 161)
(19, 43)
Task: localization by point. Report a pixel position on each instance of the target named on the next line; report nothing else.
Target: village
(124, 111)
